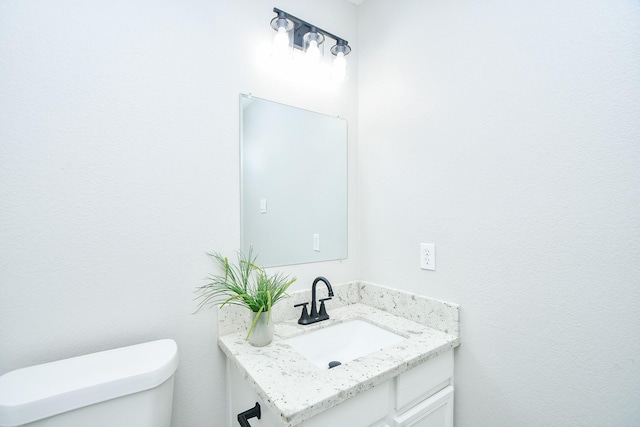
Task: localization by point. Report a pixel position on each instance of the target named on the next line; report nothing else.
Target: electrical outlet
(427, 256)
(316, 242)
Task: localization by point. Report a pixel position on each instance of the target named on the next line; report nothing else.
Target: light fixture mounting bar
(300, 28)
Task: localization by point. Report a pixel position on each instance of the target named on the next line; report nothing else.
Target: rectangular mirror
(294, 183)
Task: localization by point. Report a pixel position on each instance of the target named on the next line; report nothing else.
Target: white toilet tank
(125, 387)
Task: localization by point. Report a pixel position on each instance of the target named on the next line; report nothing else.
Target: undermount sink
(342, 342)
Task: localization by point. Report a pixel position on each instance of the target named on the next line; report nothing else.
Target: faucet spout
(314, 310)
(325, 281)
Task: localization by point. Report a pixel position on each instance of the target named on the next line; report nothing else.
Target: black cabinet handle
(248, 414)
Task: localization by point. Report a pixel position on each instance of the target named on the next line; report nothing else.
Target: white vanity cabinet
(420, 397)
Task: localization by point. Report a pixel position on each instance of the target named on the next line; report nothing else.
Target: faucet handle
(304, 319)
(322, 314)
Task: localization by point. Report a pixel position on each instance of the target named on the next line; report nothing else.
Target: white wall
(507, 134)
(119, 169)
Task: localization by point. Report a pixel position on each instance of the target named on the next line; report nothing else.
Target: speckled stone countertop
(278, 373)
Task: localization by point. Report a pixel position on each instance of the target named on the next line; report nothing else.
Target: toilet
(129, 386)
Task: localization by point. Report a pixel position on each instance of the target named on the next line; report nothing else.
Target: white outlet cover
(428, 256)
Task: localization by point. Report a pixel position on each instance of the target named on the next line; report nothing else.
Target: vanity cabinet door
(436, 411)
(369, 408)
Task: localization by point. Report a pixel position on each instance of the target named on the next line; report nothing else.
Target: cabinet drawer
(424, 380)
(365, 409)
(434, 411)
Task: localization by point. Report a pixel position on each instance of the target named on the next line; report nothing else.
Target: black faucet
(315, 315)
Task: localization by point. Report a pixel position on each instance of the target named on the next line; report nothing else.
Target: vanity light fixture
(309, 39)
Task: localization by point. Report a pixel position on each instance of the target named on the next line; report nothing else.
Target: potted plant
(245, 283)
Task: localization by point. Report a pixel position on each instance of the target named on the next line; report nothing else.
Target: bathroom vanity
(407, 383)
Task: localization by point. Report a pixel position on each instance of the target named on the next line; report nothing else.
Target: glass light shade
(281, 44)
(281, 22)
(339, 68)
(281, 47)
(313, 51)
(313, 45)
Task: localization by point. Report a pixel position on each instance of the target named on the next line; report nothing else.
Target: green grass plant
(243, 283)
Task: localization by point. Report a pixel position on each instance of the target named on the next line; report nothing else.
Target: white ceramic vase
(262, 332)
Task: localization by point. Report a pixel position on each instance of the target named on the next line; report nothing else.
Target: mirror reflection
(294, 183)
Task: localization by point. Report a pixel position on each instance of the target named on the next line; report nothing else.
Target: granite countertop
(278, 373)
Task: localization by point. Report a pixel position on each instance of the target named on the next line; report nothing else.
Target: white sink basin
(342, 342)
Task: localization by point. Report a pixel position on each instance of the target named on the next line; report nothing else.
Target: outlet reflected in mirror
(294, 183)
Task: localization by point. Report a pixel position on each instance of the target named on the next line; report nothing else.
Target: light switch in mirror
(293, 183)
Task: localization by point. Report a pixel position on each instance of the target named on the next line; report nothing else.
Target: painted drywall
(507, 134)
(119, 169)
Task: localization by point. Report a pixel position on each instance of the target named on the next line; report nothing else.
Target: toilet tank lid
(41, 391)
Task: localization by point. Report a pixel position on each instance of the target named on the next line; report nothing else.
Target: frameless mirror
(294, 183)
